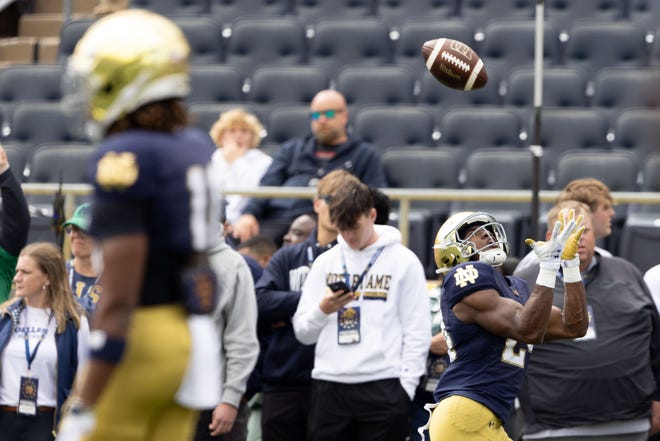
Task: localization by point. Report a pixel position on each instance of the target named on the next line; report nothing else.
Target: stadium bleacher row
(601, 94)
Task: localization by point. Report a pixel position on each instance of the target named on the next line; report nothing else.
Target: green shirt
(7, 271)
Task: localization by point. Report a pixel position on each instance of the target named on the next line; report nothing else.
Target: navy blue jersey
(158, 184)
(484, 367)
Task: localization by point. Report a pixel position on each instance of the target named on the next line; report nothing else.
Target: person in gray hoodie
(236, 320)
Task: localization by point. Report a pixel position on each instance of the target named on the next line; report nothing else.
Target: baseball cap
(81, 217)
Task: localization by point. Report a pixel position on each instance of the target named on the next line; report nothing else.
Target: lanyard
(310, 256)
(364, 273)
(30, 357)
(321, 249)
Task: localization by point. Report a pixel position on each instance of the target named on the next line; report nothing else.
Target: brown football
(454, 64)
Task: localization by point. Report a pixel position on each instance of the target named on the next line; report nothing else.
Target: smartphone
(338, 286)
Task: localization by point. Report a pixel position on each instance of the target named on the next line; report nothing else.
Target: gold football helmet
(452, 247)
(123, 61)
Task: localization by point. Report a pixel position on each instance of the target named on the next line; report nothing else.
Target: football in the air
(454, 64)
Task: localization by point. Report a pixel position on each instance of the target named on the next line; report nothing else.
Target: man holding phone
(372, 335)
(286, 365)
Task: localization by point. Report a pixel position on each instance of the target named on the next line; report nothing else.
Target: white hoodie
(395, 329)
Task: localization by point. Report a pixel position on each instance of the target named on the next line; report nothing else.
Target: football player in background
(154, 221)
(491, 321)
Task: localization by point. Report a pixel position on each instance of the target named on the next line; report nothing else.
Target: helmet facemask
(452, 246)
(493, 253)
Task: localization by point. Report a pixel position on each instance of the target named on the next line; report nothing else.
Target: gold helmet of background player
(123, 61)
(452, 247)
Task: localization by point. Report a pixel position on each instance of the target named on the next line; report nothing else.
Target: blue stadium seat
(71, 32)
(204, 37)
(59, 162)
(17, 159)
(650, 183)
(172, 7)
(271, 87)
(616, 89)
(440, 99)
(394, 126)
(311, 11)
(617, 169)
(645, 14)
(40, 83)
(37, 123)
(265, 41)
(215, 83)
(562, 87)
(565, 129)
(478, 13)
(366, 85)
(466, 129)
(337, 43)
(563, 13)
(594, 45)
(395, 12)
(287, 122)
(640, 239)
(226, 11)
(510, 44)
(638, 130)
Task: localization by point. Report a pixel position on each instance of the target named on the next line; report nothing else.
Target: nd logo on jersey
(465, 275)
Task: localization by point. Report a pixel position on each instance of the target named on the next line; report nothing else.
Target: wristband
(546, 278)
(571, 263)
(104, 348)
(571, 270)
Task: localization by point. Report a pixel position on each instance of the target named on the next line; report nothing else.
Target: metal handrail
(405, 196)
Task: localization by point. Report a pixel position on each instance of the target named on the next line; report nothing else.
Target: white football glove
(549, 252)
(77, 423)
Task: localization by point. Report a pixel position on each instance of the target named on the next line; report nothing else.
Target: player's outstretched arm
(508, 318)
(537, 312)
(573, 321)
(505, 317)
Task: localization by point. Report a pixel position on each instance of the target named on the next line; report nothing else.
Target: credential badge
(117, 171)
(465, 275)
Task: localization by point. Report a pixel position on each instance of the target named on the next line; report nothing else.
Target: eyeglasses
(71, 228)
(329, 114)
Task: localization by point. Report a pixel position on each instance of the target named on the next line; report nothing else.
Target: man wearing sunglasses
(302, 162)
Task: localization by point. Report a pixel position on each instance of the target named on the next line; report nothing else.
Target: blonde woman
(237, 162)
(43, 339)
